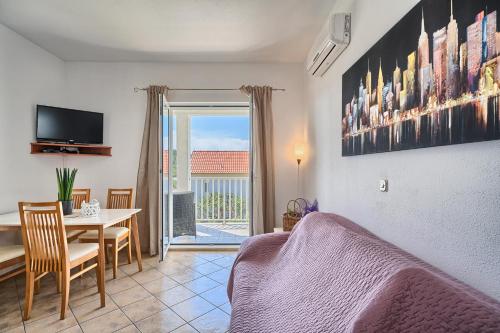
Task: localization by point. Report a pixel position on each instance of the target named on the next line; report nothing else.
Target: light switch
(383, 185)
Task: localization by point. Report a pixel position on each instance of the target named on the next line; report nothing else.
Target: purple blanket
(330, 275)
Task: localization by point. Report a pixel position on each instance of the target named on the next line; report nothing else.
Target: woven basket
(294, 212)
(289, 221)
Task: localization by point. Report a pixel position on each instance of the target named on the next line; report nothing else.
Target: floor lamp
(299, 155)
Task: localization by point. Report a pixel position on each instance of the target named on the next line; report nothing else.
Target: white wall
(28, 76)
(108, 88)
(443, 204)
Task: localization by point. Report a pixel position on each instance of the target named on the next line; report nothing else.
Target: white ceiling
(169, 30)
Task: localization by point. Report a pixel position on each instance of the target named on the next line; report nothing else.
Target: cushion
(78, 250)
(10, 252)
(109, 233)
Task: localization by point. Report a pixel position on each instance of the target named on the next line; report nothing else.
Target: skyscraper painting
(432, 80)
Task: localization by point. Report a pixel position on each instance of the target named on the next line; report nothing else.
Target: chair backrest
(80, 195)
(119, 198)
(44, 236)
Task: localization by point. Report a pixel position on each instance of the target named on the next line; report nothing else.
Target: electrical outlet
(383, 185)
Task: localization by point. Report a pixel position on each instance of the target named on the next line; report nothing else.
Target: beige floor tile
(45, 291)
(147, 275)
(10, 320)
(44, 306)
(186, 276)
(192, 308)
(120, 274)
(216, 296)
(170, 268)
(129, 329)
(209, 255)
(74, 329)
(177, 260)
(115, 286)
(9, 304)
(93, 309)
(132, 268)
(225, 261)
(110, 322)
(81, 297)
(19, 329)
(143, 308)
(192, 261)
(52, 323)
(164, 321)
(207, 268)
(88, 281)
(185, 329)
(226, 308)
(221, 276)
(162, 284)
(8, 289)
(151, 261)
(216, 321)
(130, 296)
(201, 284)
(175, 295)
(179, 255)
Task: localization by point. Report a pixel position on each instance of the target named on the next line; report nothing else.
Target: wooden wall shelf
(83, 150)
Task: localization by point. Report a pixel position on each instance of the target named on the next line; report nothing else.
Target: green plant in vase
(65, 181)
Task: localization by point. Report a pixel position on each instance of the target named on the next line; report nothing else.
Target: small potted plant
(65, 181)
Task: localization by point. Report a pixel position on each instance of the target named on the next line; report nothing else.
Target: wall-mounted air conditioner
(334, 38)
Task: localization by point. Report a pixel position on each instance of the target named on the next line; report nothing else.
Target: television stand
(61, 149)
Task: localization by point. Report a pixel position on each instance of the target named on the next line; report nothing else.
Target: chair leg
(82, 267)
(58, 281)
(65, 292)
(100, 283)
(106, 254)
(115, 258)
(129, 248)
(28, 295)
(37, 286)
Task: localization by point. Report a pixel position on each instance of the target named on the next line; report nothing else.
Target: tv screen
(67, 125)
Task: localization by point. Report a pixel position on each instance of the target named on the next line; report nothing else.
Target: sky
(217, 132)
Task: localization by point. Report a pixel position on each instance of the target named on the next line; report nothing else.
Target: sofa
(330, 275)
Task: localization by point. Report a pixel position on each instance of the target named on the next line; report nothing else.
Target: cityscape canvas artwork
(432, 80)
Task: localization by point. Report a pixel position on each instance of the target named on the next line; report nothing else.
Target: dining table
(105, 219)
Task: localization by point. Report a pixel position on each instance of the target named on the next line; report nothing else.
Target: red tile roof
(215, 162)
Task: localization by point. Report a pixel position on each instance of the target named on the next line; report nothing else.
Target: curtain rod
(204, 89)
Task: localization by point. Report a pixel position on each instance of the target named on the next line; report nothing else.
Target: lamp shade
(299, 151)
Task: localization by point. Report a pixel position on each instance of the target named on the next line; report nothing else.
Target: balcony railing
(221, 199)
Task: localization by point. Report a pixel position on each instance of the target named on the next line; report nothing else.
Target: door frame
(171, 108)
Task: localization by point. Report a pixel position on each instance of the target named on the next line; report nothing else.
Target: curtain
(263, 201)
(148, 196)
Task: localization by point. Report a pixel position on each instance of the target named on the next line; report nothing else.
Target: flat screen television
(68, 126)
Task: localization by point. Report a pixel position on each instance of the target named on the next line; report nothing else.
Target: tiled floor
(185, 293)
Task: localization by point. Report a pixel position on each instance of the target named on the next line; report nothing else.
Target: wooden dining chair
(121, 233)
(78, 196)
(47, 250)
(10, 256)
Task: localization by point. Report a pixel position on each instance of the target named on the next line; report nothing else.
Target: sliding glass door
(206, 167)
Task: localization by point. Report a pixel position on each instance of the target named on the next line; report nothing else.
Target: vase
(67, 206)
